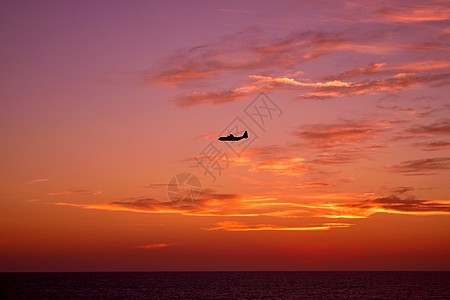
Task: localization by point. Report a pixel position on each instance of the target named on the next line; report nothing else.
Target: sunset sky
(346, 104)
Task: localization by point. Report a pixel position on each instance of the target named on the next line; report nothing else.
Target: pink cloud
(344, 133)
(426, 12)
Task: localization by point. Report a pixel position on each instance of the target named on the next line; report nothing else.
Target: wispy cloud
(403, 189)
(432, 146)
(390, 205)
(70, 192)
(312, 90)
(249, 54)
(292, 82)
(211, 204)
(398, 82)
(438, 127)
(251, 50)
(421, 13)
(282, 166)
(385, 69)
(338, 205)
(238, 226)
(154, 246)
(209, 135)
(342, 133)
(214, 97)
(314, 185)
(157, 185)
(32, 200)
(39, 180)
(432, 136)
(400, 110)
(339, 196)
(266, 60)
(341, 142)
(425, 166)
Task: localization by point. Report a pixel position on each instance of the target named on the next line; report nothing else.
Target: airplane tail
(245, 135)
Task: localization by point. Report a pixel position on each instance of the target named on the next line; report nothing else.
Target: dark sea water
(226, 285)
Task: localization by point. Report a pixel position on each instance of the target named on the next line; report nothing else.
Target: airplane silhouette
(233, 138)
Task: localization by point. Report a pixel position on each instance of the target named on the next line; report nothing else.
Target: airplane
(233, 138)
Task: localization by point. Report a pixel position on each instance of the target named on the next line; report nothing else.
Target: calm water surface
(226, 285)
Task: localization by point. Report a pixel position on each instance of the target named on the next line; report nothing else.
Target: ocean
(226, 285)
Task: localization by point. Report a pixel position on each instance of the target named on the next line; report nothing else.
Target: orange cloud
(238, 226)
(38, 180)
(427, 46)
(341, 156)
(399, 110)
(396, 83)
(345, 132)
(211, 204)
(70, 192)
(439, 145)
(253, 54)
(340, 196)
(293, 82)
(442, 127)
(403, 189)
(391, 205)
(426, 166)
(402, 77)
(209, 135)
(340, 205)
(283, 166)
(319, 44)
(251, 50)
(215, 97)
(32, 200)
(383, 68)
(314, 185)
(419, 14)
(322, 144)
(417, 66)
(369, 69)
(231, 54)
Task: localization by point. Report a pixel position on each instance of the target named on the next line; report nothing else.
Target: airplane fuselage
(232, 138)
(229, 138)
